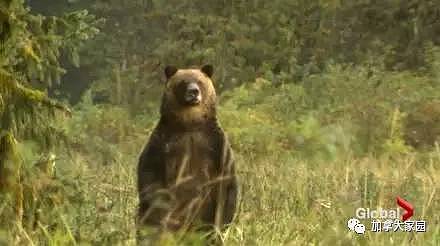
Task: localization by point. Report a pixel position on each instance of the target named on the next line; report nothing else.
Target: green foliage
(25, 112)
(327, 105)
(31, 48)
(281, 116)
(366, 98)
(10, 167)
(244, 40)
(422, 128)
(100, 130)
(340, 111)
(395, 142)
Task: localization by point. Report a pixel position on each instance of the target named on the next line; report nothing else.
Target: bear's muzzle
(192, 94)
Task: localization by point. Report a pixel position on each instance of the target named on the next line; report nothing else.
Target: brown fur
(189, 115)
(188, 163)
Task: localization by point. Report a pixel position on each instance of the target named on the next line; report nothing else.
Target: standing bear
(186, 176)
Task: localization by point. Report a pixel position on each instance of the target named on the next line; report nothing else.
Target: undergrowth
(307, 156)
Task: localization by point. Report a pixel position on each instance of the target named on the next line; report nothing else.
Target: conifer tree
(30, 48)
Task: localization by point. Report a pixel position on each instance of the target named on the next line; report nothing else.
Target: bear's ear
(208, 70)
(170, 71)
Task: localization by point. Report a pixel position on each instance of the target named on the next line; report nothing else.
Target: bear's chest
(189, 160)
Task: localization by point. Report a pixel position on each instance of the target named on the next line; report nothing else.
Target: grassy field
(287, 197)
(329, 107)
(302, 168)
(284, 201)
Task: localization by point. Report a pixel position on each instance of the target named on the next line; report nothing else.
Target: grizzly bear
(186, 176)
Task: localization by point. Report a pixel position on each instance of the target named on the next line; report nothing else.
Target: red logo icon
(407, 206)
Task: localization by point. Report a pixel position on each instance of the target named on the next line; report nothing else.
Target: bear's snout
(192, 94)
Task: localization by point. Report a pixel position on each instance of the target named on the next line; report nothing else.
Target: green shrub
(262, 118)
(423, 125)
(366, 97)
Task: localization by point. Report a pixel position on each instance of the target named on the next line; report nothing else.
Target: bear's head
(189, 97)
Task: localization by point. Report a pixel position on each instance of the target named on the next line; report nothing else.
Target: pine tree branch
(8, 85)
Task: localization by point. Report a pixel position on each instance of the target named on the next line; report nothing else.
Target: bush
(422, 126)
(347, 109)
(264, 119)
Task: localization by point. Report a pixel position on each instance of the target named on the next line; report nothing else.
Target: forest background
(329, 105)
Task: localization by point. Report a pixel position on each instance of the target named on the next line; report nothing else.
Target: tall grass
(303, 160)
(284, 201)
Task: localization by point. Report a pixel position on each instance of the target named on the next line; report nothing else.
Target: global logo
(380, 213)
(386, 220)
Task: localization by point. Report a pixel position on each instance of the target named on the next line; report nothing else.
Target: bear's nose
(193, 89)
(192, 94)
